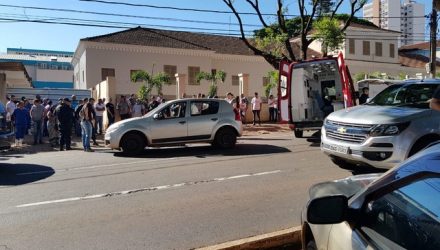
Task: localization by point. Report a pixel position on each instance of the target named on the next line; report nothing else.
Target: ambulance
(310, 90)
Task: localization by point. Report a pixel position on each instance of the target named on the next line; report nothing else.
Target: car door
(170, 124)
(204, 115)
(405, 218)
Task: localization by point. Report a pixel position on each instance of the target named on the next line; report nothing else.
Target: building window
(392, 50)
(351, 46)
(192, 75)
(378, 48)
(366, 48)
(53, 66)
(105, 72)
(266, 81)
(235, 80)
(171, 70)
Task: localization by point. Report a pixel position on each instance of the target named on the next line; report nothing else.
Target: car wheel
(132, 144)
(298, 133)
(311, 245)
(225, 138)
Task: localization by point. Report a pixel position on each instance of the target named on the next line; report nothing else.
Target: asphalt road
(168, 198)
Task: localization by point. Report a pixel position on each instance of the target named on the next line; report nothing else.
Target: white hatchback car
(178, 122)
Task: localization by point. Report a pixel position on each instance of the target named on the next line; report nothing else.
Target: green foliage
(213, 78)
(143, 92)
(150, 82)
(345, 17)
(359, 76)
(273, 82)
(327, 30)
(402, 75)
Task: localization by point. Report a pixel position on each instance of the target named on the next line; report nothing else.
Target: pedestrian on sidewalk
(52, 126)
(271, 104)
(94, 125)
(21, 118)
(77, 118)
(256, 108)
(244, 103)
(65, 115)
(110, 112)
(37, 116)
(86, 116)
(123, 108)
(99, 109)
(138, 109)
(236, 106)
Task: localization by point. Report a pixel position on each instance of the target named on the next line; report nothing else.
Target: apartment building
(406, 17)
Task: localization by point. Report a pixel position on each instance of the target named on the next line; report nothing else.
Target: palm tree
(214, 78)
(150, 82)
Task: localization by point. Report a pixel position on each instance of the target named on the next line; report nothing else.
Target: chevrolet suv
(177, 122)
(382, 133)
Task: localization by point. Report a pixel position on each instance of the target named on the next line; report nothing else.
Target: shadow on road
(205, 151)
(19, 174)
(264, 139)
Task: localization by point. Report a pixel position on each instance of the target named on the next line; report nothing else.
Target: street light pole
(433, 44)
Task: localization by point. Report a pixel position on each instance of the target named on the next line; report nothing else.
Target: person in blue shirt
(22, 117)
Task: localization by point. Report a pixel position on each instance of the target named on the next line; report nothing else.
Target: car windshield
(153, 111)
(412, 95)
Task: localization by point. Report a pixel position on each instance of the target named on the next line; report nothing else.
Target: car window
(408, 217)
(175, 110)
(204, 108)
(414, 95)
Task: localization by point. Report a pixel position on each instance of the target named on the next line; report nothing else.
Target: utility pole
(433, 44)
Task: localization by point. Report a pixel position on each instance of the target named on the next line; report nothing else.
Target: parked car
(398, 210)
(394, 125)
(178, 122)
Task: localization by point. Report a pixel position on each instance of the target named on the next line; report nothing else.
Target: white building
(46, 68)
(369, 49)
(117, 55)
(407, 17)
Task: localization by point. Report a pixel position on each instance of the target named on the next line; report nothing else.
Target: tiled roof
(183, 40)
(422, 46)
(414, 60)
(175, 39)
(371, 27)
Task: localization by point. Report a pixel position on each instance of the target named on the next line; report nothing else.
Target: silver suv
(393, 126)
(177, 122)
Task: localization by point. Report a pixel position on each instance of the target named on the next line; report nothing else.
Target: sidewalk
(28, 148)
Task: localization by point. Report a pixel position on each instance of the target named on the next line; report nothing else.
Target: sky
(28, 35)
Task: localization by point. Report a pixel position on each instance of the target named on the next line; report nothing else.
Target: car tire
(298, 133)
(132, 144)
(225, 138)
(311, 245)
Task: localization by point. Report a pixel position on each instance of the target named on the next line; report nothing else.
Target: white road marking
(95, 166)
(155, 188)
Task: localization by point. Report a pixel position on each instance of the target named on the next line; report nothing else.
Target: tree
(324, 7)
(280, 33)
(150, 82)
(213, 78)
(273, 82)
(328, 32)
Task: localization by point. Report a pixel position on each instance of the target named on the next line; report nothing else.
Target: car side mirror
(327, 210)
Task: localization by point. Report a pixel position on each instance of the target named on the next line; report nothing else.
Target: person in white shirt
(99, 110)
(138, 109)
(10, 106)
(229, 98)
(256, 108)
(271, 104)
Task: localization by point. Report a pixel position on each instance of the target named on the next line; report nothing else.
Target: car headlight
(388, 129)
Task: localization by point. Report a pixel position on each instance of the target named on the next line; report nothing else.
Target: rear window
(204, 108)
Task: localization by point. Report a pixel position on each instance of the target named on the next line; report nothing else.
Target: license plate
(335, 148)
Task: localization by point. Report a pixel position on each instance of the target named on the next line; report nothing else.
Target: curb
(290, 236)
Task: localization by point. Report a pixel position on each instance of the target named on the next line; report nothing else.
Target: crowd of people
(57, 120)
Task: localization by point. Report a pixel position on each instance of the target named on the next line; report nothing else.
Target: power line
(44, 21)
(206, 10)
(124, 15)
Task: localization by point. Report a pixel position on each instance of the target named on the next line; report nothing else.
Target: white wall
(53, 75)
(124, 58)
